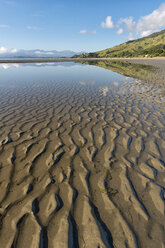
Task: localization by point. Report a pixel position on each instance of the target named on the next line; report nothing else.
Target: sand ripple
(78, 169)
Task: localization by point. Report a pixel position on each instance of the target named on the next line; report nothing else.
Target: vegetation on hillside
(150, 46)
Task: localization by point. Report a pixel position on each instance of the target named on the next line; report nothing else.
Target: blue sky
(87, 25)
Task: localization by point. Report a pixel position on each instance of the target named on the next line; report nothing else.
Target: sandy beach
(80, 168)
(160, 61)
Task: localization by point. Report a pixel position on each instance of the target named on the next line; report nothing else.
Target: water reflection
(104, 90)
(39, 64)
(149, 82)
(127, 69)
(107, 76)
(56, 72)
(6, 66)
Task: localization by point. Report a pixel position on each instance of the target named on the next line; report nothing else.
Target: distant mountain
(36, 53)
(150, 46)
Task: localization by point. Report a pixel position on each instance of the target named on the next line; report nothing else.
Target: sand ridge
(81, 169)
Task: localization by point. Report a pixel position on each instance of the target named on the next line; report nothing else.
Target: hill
(150, 46)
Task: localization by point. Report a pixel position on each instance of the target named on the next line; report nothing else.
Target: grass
(150, 46)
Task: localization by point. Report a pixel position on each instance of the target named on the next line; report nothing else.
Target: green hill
(150, 46)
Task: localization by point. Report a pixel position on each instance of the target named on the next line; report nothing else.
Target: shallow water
(82, 158)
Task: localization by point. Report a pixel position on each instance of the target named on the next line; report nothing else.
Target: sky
(86, 25)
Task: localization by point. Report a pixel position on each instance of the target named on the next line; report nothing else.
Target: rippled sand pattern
(80, 167)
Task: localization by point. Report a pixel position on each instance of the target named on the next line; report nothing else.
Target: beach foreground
(82, 165)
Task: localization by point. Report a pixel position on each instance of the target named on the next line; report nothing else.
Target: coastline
(38, 60)
(158, 62)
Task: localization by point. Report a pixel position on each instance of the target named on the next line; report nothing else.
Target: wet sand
(157, 61)
(79, 169)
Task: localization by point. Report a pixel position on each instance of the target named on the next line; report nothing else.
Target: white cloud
(87, 32)
(4, 26)
(14, 50)
(83, 31)
(152, 22)
(33, 28)
(130, 36)
(144, 26)
(93, 32)
(37, 52)
(43, 53)
(6, 50)
(146, 33)
(108, 23)
(3, 49)
(119, 31)
(129, 23)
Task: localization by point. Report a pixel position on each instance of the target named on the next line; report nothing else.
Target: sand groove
(80, 170)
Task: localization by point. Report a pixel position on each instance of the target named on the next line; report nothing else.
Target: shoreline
(38, 60)
(158, 62)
